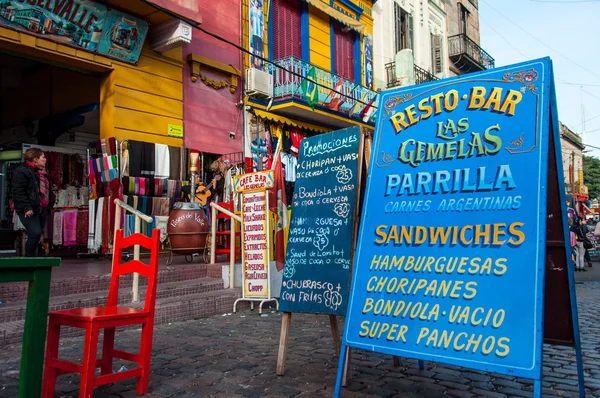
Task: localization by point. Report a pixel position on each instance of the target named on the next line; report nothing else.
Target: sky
(568, 31)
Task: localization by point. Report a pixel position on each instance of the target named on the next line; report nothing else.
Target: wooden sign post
(463, 220)
(319, 249)
(256, 236)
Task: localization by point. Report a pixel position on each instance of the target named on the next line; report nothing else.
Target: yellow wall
(136, 102)
(320, 38)
(139, 102)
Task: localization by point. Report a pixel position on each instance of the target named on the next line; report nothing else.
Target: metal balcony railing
(289, 85)
(421, 75)
(462, 45)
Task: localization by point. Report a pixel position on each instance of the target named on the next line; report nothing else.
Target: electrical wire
(564, 1)
(280, 67)
(538, 40)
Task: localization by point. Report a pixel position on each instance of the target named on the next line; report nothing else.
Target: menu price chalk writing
(255, 233)
(317, 265)
(450, 256)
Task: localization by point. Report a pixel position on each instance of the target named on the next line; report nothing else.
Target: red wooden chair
(108, 318)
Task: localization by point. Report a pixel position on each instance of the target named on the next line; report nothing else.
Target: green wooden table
(37, 272)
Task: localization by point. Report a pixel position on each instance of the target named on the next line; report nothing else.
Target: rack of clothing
(265, 136)
(152, 176)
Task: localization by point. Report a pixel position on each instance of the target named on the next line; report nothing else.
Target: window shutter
(344, 52)
(286, 29)
(409, 30)
(437, 62)
(398, 27)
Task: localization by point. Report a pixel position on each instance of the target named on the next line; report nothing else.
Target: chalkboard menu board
(318, 256)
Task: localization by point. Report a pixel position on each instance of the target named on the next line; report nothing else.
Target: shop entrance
(56, 109)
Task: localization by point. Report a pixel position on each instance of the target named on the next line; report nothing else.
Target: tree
(591, 175)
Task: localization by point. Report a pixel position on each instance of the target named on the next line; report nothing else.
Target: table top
(29, 262)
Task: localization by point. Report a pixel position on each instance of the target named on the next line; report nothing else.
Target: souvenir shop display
(265, 139)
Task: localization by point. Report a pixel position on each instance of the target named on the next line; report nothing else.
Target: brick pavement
(235, 356)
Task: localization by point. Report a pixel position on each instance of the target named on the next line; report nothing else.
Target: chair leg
(107, 351)
(50, 374)
(89, 361)
(145, 355)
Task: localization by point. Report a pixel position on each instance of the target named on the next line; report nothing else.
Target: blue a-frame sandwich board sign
(464, 214)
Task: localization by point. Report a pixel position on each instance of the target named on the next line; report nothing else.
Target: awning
(338, 15)
(284, 120)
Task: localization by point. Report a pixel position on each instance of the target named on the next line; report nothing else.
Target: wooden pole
(335, 333)
(346, 367)
(283, 342)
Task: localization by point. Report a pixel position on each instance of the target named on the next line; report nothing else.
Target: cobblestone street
(235, 356)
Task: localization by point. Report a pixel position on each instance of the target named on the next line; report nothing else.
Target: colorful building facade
(140, 95)
(311, 65)
(212, 81)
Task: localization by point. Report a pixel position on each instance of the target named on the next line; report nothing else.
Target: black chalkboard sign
(319, 249)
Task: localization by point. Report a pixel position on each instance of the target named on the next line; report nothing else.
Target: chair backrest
(121, 268)
(227, 206)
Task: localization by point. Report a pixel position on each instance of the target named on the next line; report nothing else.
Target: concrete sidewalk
(235, 356)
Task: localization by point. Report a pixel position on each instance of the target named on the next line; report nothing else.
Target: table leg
(34, 334)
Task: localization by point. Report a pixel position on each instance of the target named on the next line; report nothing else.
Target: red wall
(186, 8)
(209, 114)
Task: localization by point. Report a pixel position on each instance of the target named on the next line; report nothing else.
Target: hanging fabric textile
(57, 236)
(82, 227)
(69, 228)
(135, 158)
(148, 159)
(99, 225)
(162, 161)
(174, 163)
(91, 224)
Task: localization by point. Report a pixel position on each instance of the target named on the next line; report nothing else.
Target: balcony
(421, 76)
(467, 55)
(289, 99)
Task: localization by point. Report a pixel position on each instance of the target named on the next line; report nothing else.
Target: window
(437, 62)
(344, 51)
(463, 19)
(286, 29)
(403, 22)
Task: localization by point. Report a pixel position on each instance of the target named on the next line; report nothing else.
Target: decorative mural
(83, 24)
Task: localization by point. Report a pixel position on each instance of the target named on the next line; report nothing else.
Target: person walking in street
(28, 198)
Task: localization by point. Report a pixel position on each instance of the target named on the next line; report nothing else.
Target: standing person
(587, 244)
(580, 236)
(47, 197)
(27, 198)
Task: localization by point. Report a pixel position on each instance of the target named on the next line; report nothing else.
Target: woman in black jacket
(27, 198)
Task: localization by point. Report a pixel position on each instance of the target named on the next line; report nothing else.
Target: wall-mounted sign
(175, 130)
(257, 28)
(253, 181)
(83, 24)
(368, 51)
(123, 37)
